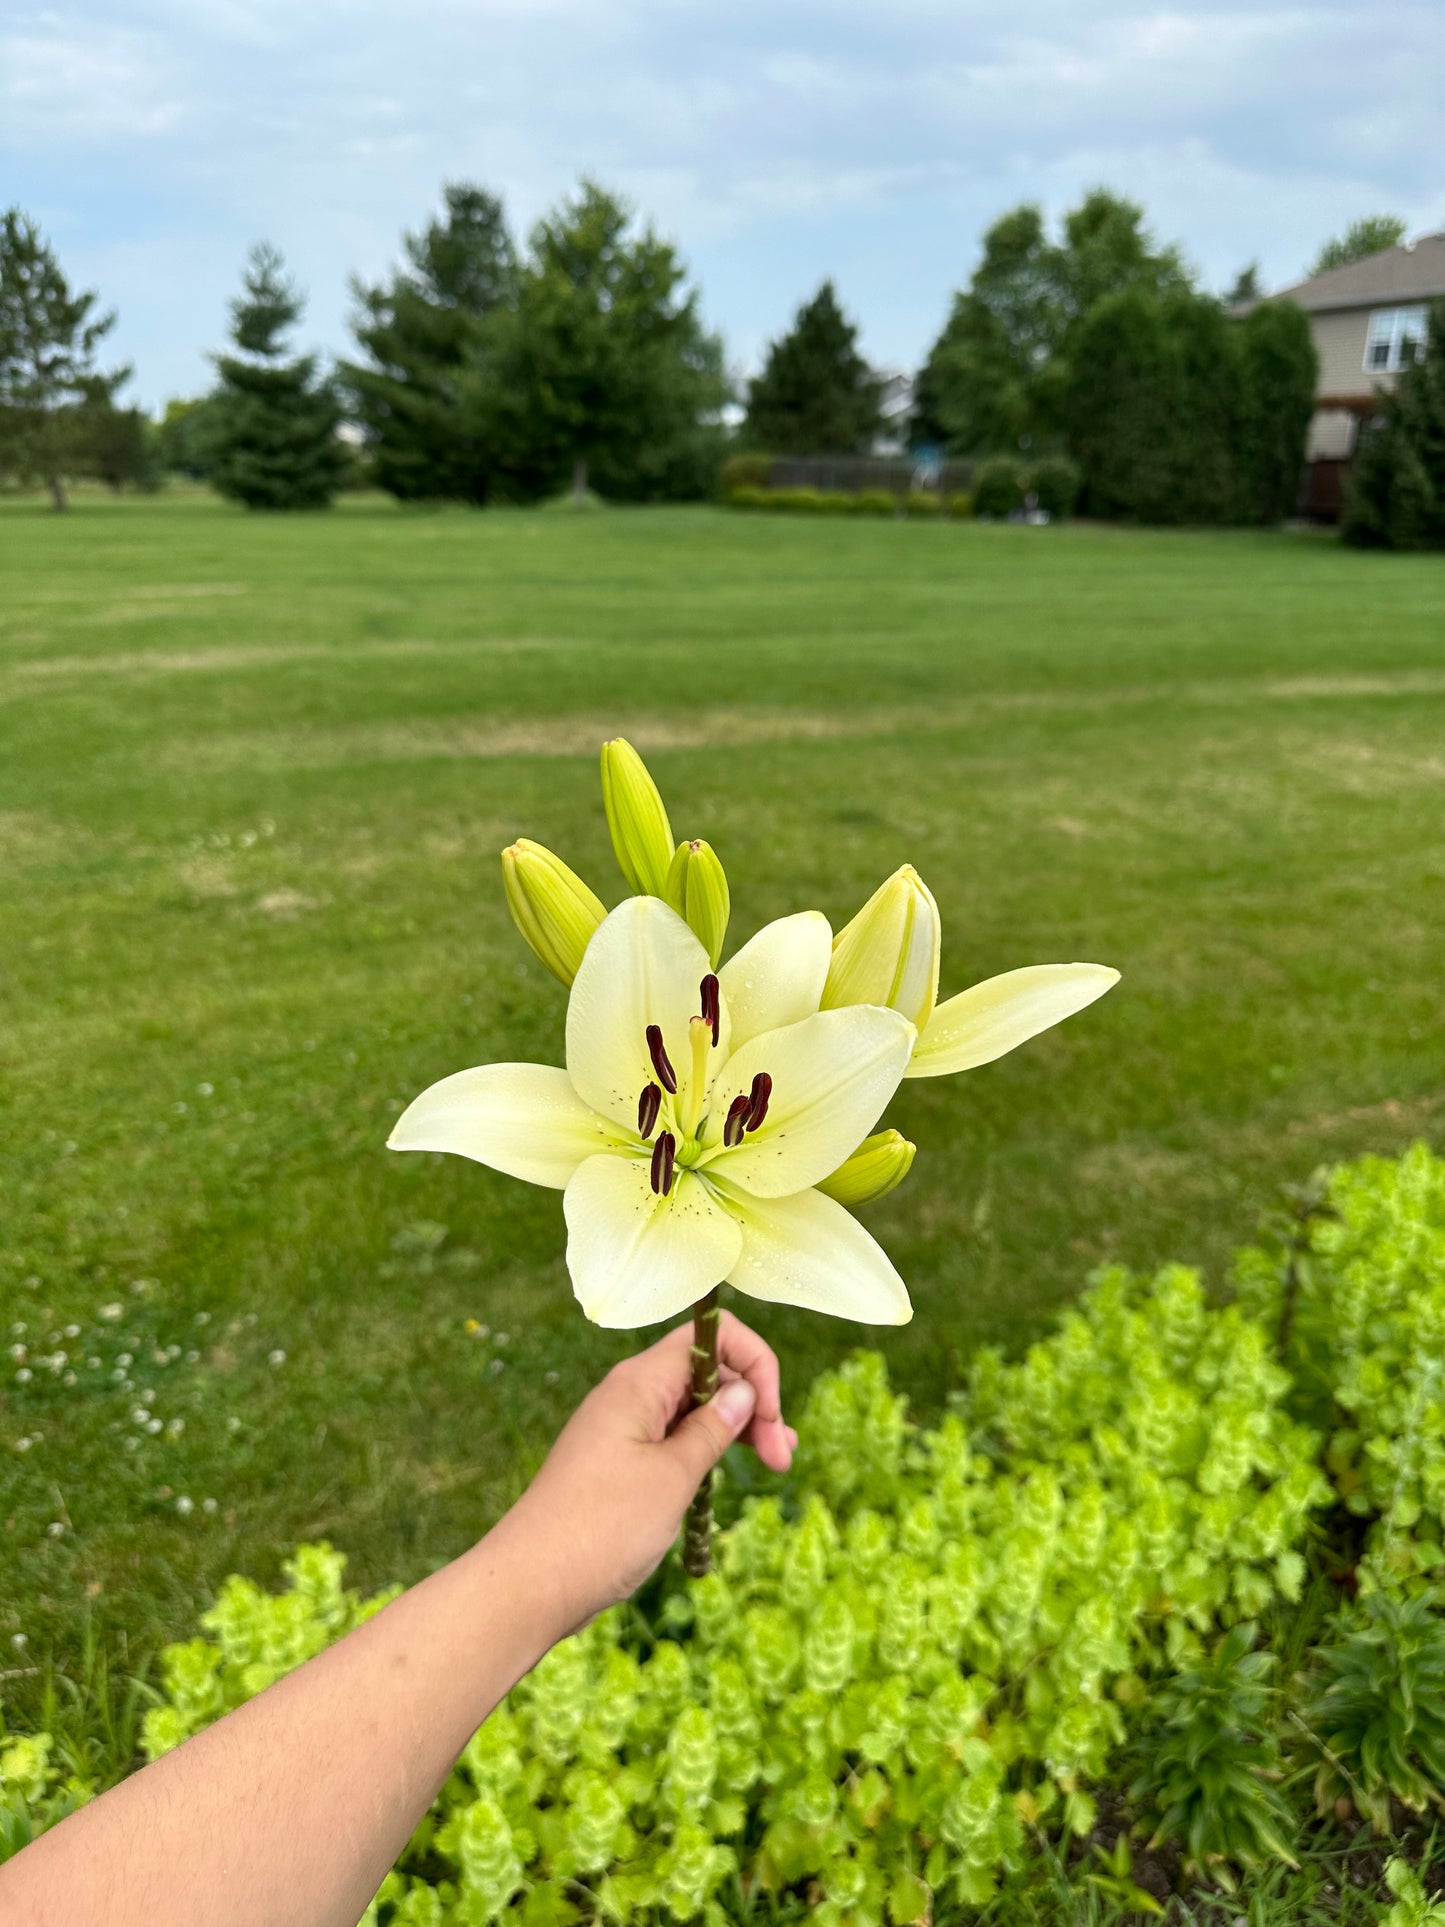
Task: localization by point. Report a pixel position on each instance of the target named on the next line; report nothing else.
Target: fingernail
(735, 1402)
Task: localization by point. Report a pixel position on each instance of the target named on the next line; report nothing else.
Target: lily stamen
(737, 1119)
(664, 1156)
(711, 1005)
(648, 1106)
(758, 1100)
(666, 1075)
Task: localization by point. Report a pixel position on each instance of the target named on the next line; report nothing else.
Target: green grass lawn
(254, 777)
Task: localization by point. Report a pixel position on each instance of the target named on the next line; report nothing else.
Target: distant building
(1369, 321)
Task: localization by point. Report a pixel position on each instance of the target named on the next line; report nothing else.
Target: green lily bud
(878, 1166)
(697, 888)
(637, 818)
(888, 954)
(550, 905)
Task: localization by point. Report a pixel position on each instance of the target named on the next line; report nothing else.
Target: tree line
(485, 371)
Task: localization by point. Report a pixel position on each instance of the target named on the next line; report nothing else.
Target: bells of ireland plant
(697, 888)
(551, 906)
(889, 954)
(637, 819)
(697, 1114)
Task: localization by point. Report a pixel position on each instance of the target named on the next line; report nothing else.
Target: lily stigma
(696, 1116)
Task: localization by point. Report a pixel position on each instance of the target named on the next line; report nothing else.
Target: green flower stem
(697, 1532)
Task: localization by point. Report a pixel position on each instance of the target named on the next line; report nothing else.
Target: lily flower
(696, 1116)
(889, 955)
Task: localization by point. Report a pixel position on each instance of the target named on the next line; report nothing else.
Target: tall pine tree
(48, 376)
(274, 422)
(816, 394)
(607, 377)
(1395, 498)
(424, 394)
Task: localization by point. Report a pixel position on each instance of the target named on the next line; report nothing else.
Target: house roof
(1414, 271)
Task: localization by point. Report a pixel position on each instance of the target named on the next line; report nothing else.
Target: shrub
(876, 501)
(745, 471)
(834, 501)
(746, 496)
(1356, 1292)
(1055, 481)
(1396, 493)
(1279, 369)
(798, 501)
(960, 505)
(35, 1790)
(998, 488)
(923, 502)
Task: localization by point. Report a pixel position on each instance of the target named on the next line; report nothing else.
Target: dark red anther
(737, 1118)
(758, 1099)
(711, 1008)
(666, 1075)
(664, 1154)
(648, 1105)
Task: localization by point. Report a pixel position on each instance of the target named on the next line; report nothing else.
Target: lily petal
(832, 1075)
(524, 1119)
(995, 1016)
(777, 977)
(643, 966)
(636, 1258)
(807, 1250)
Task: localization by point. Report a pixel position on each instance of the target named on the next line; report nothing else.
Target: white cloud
(775, 140)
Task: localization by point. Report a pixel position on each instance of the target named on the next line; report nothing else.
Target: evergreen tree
(1178, 414)
(48, 341)
(998, 373)
(1371, 234)
(1246, 287)
(1396, 493)
(604, 372)
(816, 394)
(273, 422)
(425, 394)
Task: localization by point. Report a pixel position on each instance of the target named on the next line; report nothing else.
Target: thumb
(708, 1430)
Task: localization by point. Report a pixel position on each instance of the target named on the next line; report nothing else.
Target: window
(1396, 339)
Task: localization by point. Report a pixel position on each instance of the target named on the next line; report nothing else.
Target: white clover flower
(185, 1506)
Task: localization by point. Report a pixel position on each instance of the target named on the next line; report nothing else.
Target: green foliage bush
(35, 1789)
(923, 503)
(875, 501)
(1055, 481)
(744, 471)
(1379, 1711)
(998, 487)
(960, 505)
(1179, 415)
(1396, 493)
(745, 495)
(1357, 1295)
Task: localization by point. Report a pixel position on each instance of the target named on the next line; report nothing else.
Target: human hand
(607, 1503)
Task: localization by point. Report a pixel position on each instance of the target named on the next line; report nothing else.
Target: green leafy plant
(1357, 1292)
(998, 487)
(1211, 1759)
(1379, 1711)
(1413, 1906)
(1055, 481)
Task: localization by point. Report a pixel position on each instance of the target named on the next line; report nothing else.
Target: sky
(777, 142)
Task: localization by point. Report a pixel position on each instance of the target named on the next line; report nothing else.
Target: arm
(290, 1810)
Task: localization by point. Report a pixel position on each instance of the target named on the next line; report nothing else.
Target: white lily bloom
(889, 954)
(695, 1116)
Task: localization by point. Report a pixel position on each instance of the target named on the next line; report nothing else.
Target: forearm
(289, 1811)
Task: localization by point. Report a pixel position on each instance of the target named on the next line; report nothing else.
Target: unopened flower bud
(888, 954)
(637, 818)
(697, 888)
(550, 905)
(880, 1163)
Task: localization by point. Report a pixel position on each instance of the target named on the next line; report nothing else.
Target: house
(1369, 320)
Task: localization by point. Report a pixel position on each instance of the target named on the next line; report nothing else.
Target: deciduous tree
(1371, 234)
